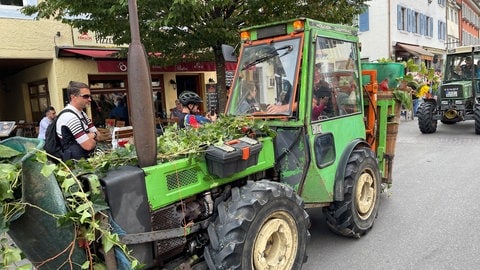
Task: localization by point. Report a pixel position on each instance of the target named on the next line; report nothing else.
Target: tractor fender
(340, 173)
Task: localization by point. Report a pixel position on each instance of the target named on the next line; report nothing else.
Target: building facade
(422, 30)
(404, 29)
(39, 57)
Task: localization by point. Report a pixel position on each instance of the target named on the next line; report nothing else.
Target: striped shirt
(76, 126)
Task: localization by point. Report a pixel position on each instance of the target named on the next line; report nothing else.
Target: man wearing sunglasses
(76, 131)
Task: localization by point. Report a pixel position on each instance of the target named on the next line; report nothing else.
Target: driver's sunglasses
(86, 96)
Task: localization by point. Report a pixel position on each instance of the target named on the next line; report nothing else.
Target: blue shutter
(364, 24)
(399, 18)
(409, 20)
(422, 24)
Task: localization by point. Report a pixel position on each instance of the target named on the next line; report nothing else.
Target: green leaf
(11, 255)
(109, 240)
(86, 265)
(48, 169)
(25, 267)
(7, 152)
(85, 216)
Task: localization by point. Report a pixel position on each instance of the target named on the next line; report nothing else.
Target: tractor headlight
(444, 102)
(458, 102)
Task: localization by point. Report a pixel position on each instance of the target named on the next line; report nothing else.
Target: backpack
(53, 144)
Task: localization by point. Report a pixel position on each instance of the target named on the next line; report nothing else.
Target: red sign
(121, 66)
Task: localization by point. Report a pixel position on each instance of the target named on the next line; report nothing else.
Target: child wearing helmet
(189, 118)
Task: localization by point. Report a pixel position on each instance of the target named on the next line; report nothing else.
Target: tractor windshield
(460, 67)
(266, 79)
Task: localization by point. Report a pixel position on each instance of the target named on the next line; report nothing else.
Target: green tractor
(242, 204)
(458, 95)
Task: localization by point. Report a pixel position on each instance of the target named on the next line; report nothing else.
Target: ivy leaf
(11, 255)
(86, 265)
(100, 266)
(7, 152)
(68, 182)
(109, 240)
(48, 169)
(85, 216)
(25, 267)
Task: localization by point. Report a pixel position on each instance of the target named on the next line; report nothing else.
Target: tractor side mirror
(229, 53)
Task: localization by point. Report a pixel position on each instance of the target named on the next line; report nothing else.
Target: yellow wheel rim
(365, 195)
(276, 243)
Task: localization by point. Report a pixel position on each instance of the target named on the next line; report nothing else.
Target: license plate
(451, 94)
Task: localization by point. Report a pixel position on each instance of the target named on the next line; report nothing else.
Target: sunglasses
(85, 96)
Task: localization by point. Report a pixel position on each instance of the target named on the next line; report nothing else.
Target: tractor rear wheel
(263, 225)
(426, 123)
(477, 120)
(354, 216)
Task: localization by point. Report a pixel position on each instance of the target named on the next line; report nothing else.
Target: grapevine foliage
(86, 205)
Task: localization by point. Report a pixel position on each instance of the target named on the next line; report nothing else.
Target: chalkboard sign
(212, 97)
(229, 77)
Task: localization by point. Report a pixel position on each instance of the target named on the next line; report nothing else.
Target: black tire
(355, 215)
(477, 119)
(266, 218)
(426, 123)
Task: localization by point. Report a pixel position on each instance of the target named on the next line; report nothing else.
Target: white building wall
(378, 41)
(375, 41)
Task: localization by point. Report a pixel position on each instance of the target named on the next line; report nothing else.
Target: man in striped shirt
(77, 133)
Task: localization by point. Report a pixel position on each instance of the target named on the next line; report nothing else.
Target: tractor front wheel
(426, 123)
(354, 216)
(263, 225)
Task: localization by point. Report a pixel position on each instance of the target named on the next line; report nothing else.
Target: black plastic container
(232, 157)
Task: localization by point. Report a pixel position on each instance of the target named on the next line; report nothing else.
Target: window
(39, 99)
(11, 8)
(18, 3)
(335, 81)
(324, 148)
(402, 18)
(441, 30)
(415, 22)
(428, 27)
(108, 90)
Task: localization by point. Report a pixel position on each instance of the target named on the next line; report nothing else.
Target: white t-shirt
(43, 127)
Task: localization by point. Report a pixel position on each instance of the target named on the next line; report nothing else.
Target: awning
(416, 50)
(88, 52)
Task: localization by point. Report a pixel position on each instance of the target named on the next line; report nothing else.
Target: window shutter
(364, 21)
(399, 18)
(409, 20)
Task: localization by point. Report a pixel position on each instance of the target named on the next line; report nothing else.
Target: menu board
(212, 97)
(6, 128)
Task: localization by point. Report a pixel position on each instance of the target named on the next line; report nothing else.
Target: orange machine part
(370, 107)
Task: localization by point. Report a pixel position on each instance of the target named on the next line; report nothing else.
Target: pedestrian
(415, 101)
(190, 102)
(120, 112)
(76, 131)
(159, 105)
(176, 111)
(46, 120)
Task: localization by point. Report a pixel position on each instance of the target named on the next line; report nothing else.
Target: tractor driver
(466, 69)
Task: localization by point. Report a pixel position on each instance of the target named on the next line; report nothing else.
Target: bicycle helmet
(189, 97)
